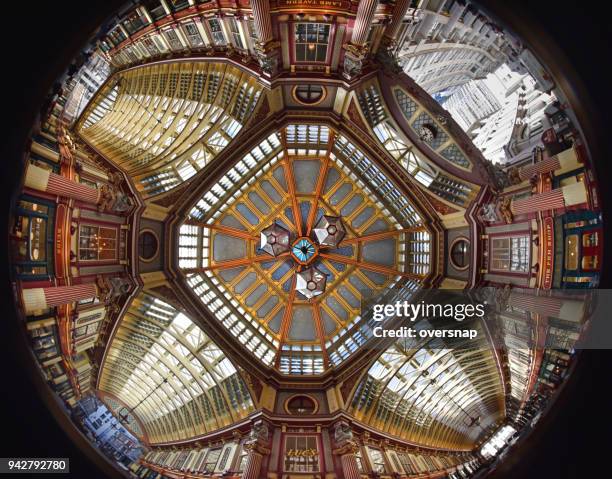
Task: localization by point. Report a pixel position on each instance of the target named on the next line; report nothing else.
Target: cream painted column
(346, 448)
(399, 11)
(258, 447)
(363, 21)
(42, 298)
(356, 50)
(262, 20)
(562, 162)
(568, 309)
(568, 195)
(44, 180)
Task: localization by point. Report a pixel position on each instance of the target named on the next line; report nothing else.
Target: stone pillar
(258, 447)
(401, 7)
(44, 180)
(346, 448)
(569, 195)
(363, 21)
(262, 21)
(43, 298)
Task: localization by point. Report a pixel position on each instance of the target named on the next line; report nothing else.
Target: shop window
(235, 32)
(78, 332)
(244, 456)
(44, 343)
(224, 462)
(193, 35)
(301, 454)
(134, 22)
(56, 370)
(177, 5)
(30, 238)
(155, 9)
(378, 461)
(32, 234)
(396, 462)
(406, 463)
(359, 460)
(510, 254)
(253, 32)
(117, 36)
(216, 31)
(173, 39)
(590, 263)
(211, 460)
(590, 239)
(97, 243)
(86, 330)
(311, 40)
(571, 252)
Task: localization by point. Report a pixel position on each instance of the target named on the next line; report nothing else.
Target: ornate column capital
(267, 56)
(267, 47)
(256, 447)
(344, 439)
(342, 432)
(349, 447)
(354, 59)
(108, 289)
(259, 438)
(111, 199)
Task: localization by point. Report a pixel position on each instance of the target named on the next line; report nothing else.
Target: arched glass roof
(164, 122)
(170, 374)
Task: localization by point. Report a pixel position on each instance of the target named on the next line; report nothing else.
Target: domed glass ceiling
(295, 179)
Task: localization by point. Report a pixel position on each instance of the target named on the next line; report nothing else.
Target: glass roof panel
(177, 370)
